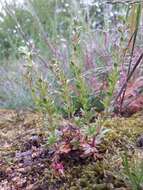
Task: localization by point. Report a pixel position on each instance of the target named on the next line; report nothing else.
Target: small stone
(140, 141)
(35, 141)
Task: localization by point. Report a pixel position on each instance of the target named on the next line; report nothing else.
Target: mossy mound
(104, 173)
(130, 128)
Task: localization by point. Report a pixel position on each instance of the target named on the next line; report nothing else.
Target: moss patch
(105, 173)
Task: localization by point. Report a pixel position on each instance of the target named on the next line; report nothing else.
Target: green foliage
(62, 32)
(111, 82)
(10, 35)
(81, 87)
(62, 13)
(45, 104)
(63, 90)
(134, 172)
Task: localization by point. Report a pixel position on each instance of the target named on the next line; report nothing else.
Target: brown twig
(133, 37)
(129, 77)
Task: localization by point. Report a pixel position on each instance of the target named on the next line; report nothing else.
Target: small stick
(129, 76)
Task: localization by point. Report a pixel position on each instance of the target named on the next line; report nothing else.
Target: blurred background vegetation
(45, 26)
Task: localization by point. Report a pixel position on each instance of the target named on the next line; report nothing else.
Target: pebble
(140, 141)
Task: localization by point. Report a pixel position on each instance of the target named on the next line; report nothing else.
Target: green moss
(124, 127)
(100, 174)
(104, 173)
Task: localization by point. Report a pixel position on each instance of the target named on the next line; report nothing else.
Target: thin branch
(129, 76)
(124, 1)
